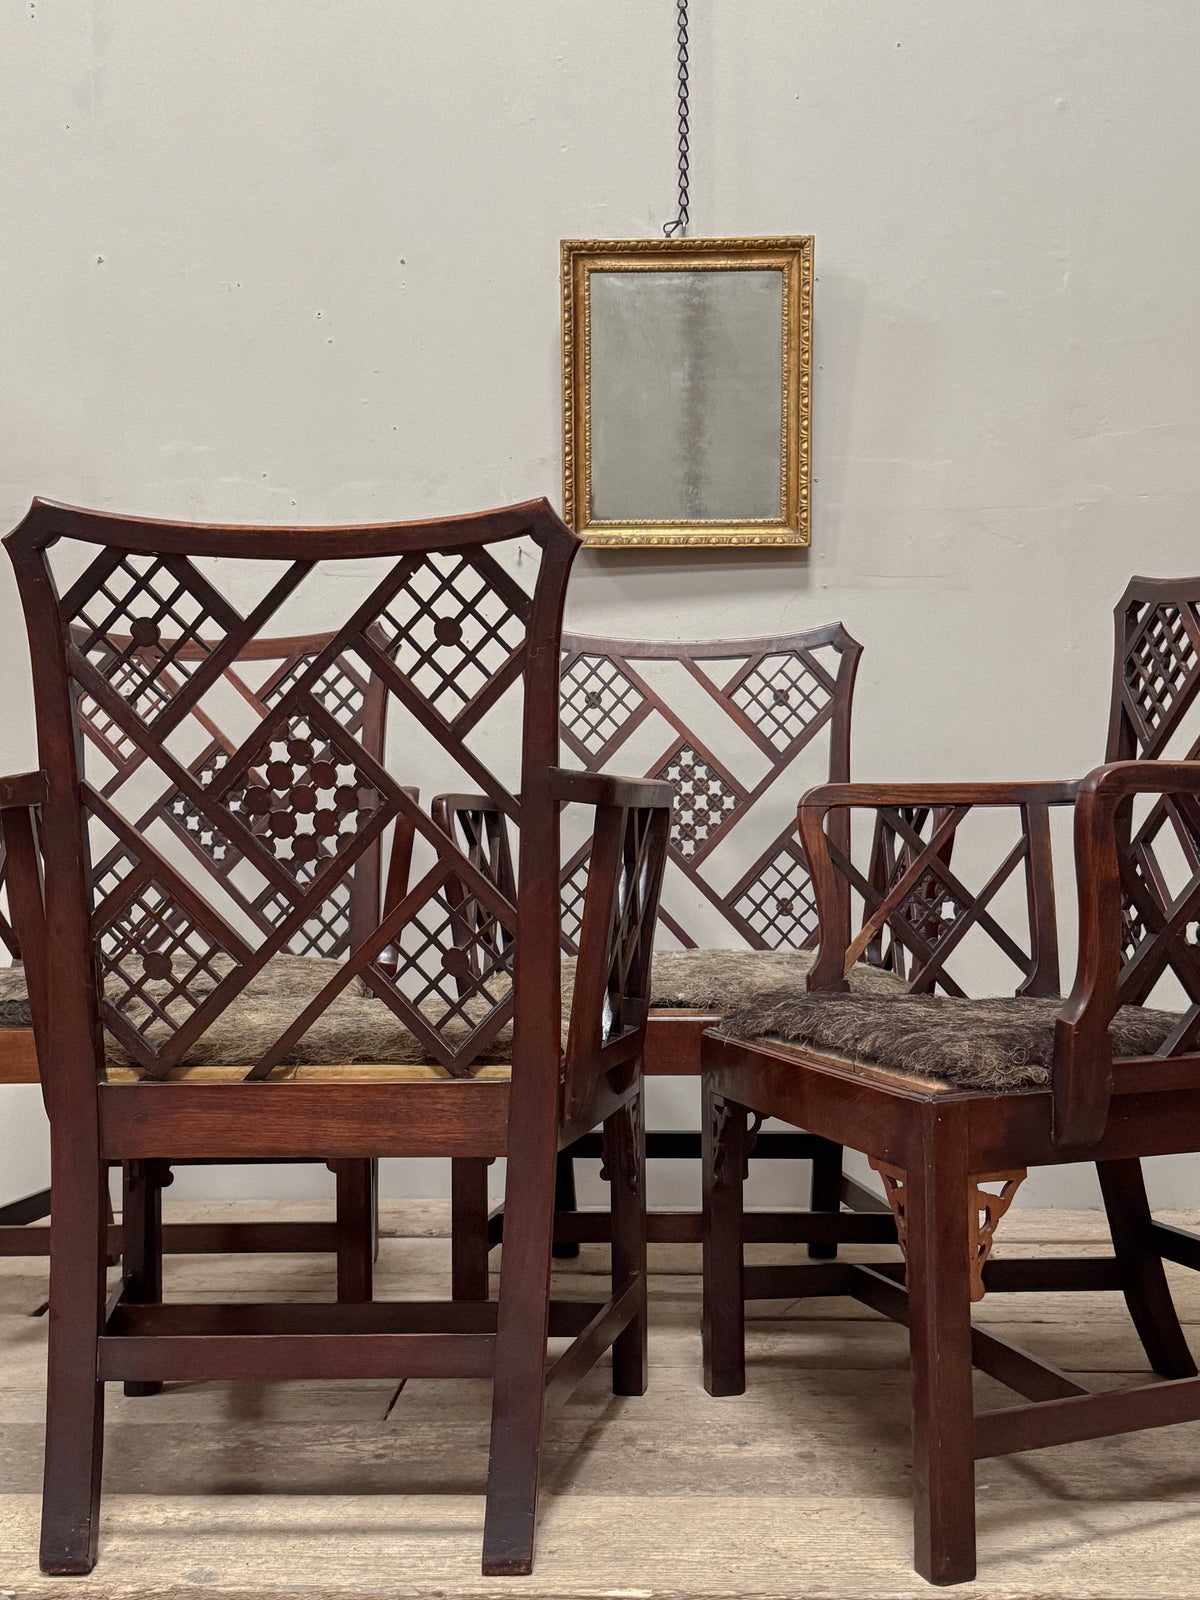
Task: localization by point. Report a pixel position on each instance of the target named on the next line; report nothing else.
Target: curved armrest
(583, 788)
(22, 790)
(914, 866)
(1082, 1045)
(606, 789)
(830, 796)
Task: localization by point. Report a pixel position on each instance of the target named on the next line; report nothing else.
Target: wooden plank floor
(798, 1488)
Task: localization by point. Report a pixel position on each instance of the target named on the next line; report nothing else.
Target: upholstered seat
(356, 1036)
(361, 1036)
(730, 980)
(993, 1044)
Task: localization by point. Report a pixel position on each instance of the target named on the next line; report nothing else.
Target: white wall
(297, 260)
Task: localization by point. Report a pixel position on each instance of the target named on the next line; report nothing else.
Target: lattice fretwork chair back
(954, 1098)
(254, 682)
(739, 727)
(179, 874)
(251, 684)
(1154, 715)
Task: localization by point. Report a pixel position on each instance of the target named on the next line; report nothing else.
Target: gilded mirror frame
(793, 258)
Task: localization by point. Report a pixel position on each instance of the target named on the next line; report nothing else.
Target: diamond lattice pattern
(451, 981)
(779, 905)
(1160, 663)
(574, 892)
(306, 801)
(137, 626)
(704, 802)
(782, 698)
(340, 691)
(157, 963)
(598, 700)
(930, 908)
(450, 632)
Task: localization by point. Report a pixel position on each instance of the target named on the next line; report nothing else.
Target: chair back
(213, 800)
(726, 721)
(258, 678)
(1155, 716)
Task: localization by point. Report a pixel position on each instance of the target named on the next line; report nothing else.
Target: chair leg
(724, 1313)
(74, 1399)
(937, 1214)
(142, 1184)
(469, 1228)
(357, 1228)
(625, 1167)
(826, 1191)
(565, 1200)
(519, 1387)
(1144, 1281)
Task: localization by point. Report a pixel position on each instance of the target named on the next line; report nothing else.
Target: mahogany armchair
(739, 727)
(257, 678)
(156, 1039)
(953, 1099)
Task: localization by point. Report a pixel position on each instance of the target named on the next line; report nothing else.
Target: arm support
(831, 796)
(22, 790)
(920, 869)
(611, 999)
(625, 868)
(1082, 1046)
(20, 796)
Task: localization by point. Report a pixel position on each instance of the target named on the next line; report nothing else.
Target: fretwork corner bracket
(984, 1211)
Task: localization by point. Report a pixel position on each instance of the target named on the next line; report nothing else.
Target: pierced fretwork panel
(955, 899)
(740, 728)
(622, 927)
(343, 689)
(1156, 715)
(141, 621)
(1160, 947)
(481, 940)
(159, 961)
(456, 631)
(1161, 668)
(776, 898)
(705, 799)
(239, 804)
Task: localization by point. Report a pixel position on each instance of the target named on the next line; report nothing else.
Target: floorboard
(797, 1488)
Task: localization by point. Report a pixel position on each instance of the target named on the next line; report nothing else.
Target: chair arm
(583, 788)
(611, 998)
(22, 790)
(824, 826)
(1082, 1045)
(828, 797)
(447, 804)
(606, 789)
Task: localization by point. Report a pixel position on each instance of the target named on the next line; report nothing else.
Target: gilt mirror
(687, 374)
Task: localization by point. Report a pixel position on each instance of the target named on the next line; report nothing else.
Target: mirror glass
(686, 415)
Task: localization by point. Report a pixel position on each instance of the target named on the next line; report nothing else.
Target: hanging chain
(680, 223)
